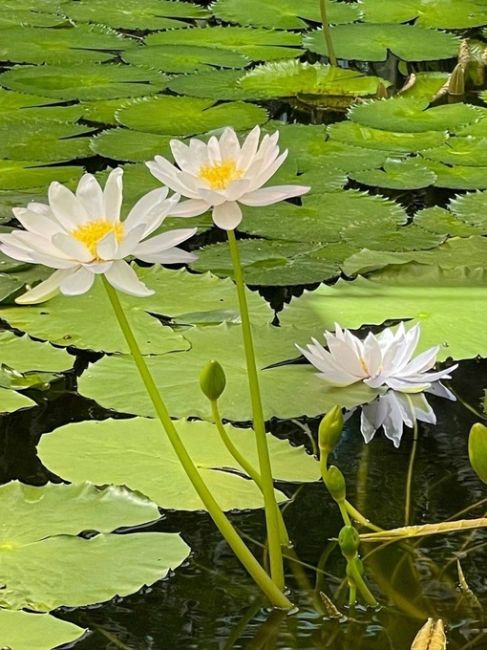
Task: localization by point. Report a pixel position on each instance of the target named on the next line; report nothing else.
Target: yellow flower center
(220, 176)
(92, 232)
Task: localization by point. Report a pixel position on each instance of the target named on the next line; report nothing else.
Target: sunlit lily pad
(114, 382)
(25, 630)
(57, 143)
(458, 177)
(143, 14)
(71, 45)
(46, 564)
(10, 401)
(24, 174)
(428, 295)
(13, 17)
(282, 14)
(26, 355)
(443, 222)
(471, 209)
(424, 85)
(84, 81)
(133, 146)
(372, 42)
(362, 136)
(397, 174)
(187, 115)
(445, 14)
(185, 58)
(256, 44)
(466, 151)
(187, 297)
(218, 84)
(18, 108)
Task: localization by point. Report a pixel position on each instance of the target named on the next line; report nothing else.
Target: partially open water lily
(220, 174)
(382, 360)
(81, 235)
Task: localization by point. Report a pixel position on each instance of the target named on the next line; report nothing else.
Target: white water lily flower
(394, 410)
(221, 174)
(383, 360)
(81, 235)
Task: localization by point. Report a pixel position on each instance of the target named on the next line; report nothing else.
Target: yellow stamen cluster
(92, 232)
(220, 176)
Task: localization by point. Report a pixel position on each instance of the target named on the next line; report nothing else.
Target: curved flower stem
(270, 589)
(359, 517)
(271, 509)
(245, 465)
(409, 479)
(327, 34)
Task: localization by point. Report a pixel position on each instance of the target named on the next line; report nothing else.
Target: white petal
(227, 216)
(270, 195)
(183, 155)
(107, 247)
(67, 209)
(169, 256)
(249, 148)
(113, 195)
(190, 208)
(124, 278)
(229, 145)
(90, 194)
(37, 223)
(268, 171)
(130, 241)
(164, 241)
(44, 290)
(170, 176)
(77, 283)
(151, 201)
(72, 248)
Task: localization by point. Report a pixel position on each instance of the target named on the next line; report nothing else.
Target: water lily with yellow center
(220, 174)
(81, 235)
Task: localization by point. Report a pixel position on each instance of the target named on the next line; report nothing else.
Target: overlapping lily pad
(185, 58)
(26, 355)
(30, 109)
(445, 14)
(11, 400)
(58, 143)
(114, 382)
(395, 142)
(218, 84)
(397, 174)
(26, 174)
(46, 564)
(372, 42)
(24, 630)
(88, 81)
(130, 145)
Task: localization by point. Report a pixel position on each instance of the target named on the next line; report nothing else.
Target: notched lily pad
(25, 630)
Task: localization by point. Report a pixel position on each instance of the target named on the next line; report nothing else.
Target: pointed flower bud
(349, 542)
(212, 380)
(331, 427)
(335, 482)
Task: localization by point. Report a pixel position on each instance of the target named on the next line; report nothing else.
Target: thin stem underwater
(409, 479)
(261, 578)
(270, 503)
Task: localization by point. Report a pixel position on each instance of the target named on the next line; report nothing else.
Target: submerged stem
(409, 479)
(270, 503)
(327, 34)
(269, 588)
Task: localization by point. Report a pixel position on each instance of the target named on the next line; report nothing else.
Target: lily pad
(46, 564)
(443, 222)
(372, 42)
(184, 58)
(15, 17)
(178, 294)
(445, 14)
(144, 14)
(133, 146)
(362, 136)
(114, 382)
(218, 84)
(138, 453)
(25, 355)
(282, 14)
(70, 45)
(397, 174)
(103, 111)
(404, 114)
(424, 85)
(89, 81)
(471, 209)
(57, 143)
(24, 174)
(10, 401)
(428, 295)
(188, 115)
(458, 177)
(24, 631)
(18, 108)
(256, 44)
(466, 151)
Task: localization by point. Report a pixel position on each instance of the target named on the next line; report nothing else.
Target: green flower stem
(270, 503)
(359, 582)
(245, 465)
(269, 588)
(409, 479)
(359, 517)
(327, 34)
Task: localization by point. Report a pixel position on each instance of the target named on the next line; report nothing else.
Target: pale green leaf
(467, 151)
(458, 177)
(471, 209)
(125, 144)
(25, 630)
(397, 174)
(25, 355)
(18, 108)
(185, 58)
(57, 143)
(424, 85)
(443, 222)
(362, 136)
(11, 401)
(26, 174)
(218, 84)
(445, 14)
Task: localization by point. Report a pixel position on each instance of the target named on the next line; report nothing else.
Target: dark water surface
(209, 603)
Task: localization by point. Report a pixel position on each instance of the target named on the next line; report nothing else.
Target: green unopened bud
(335, 482)
(477, 450)
(349, 541)
(212, 380)
(331, 427)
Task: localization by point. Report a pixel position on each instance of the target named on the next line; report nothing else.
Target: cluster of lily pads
(86, 83)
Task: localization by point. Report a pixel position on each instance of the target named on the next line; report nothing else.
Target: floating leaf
(138, 453)
(15, 17)
(24, 631)
(471, 209)
(45, 564)
(125, 144)
(58, 143)
(428, 295)
(477, 450)
(256, 44)
(335, 86)
(188, 115)
(219, 84)
(467, 151)
(24, 174)
(70, 45)
(402, 239)
(18, 108)
(115, 383)
(25, 355)
(443, 222)
(178, 294)
(458, 177)
(282, 14)
(84, 81)
(370, 42)
(185, 58)
(11, 401)
(144, 14)
(361, 136)
(397, 174)
(14, 280)
(445, 14)
(404, 114)
(103, 110)
(424, 85)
